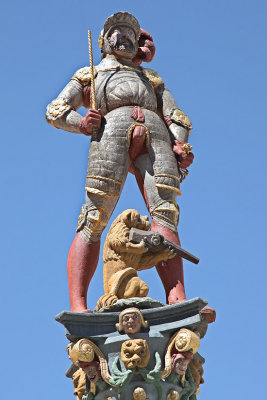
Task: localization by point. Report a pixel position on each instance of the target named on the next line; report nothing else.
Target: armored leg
(161, 203)
(84, 252)
(108, 165)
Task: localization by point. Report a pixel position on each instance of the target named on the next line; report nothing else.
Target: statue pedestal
(163, 322)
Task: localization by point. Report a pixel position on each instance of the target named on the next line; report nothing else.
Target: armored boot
(81, 265)
(171, 272)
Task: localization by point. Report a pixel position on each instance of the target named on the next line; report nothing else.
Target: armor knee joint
(91, 222)
(166, 213)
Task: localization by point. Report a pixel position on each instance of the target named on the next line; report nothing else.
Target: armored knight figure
(136, 127)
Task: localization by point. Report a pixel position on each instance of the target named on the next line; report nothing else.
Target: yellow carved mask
(135, 353)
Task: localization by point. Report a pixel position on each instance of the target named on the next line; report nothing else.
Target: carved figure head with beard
(120, 36)
(122, 42)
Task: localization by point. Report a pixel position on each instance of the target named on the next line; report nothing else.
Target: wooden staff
(92, 94)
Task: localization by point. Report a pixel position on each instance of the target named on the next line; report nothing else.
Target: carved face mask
(135, 353)
(180, 362)
(181, 365)
(131, 323)
(92, 373)
(197, 371)
(182, 340)
(122, 40)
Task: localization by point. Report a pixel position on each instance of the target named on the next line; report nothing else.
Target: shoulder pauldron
(83, 75)
(152, 76)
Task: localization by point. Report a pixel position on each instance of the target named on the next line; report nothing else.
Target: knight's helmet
(121, 18)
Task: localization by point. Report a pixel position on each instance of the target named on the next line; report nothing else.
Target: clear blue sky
(212, 55)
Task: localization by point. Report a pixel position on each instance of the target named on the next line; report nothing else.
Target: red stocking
(171, 272)
(82, 262)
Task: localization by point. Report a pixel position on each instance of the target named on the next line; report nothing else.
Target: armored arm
(61, 112)
(179, 127)
(178, 122)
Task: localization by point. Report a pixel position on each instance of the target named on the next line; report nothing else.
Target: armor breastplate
(118, 88)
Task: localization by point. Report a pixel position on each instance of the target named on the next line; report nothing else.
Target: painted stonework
(130, 347)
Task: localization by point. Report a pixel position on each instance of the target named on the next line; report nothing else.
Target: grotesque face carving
(82, 351)
(182, 340)
(131, 322)
(122, 41)
(180, 362)
(92, 373)
(197, 372)
(187, 341)
(135, 353)
(92, 370)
